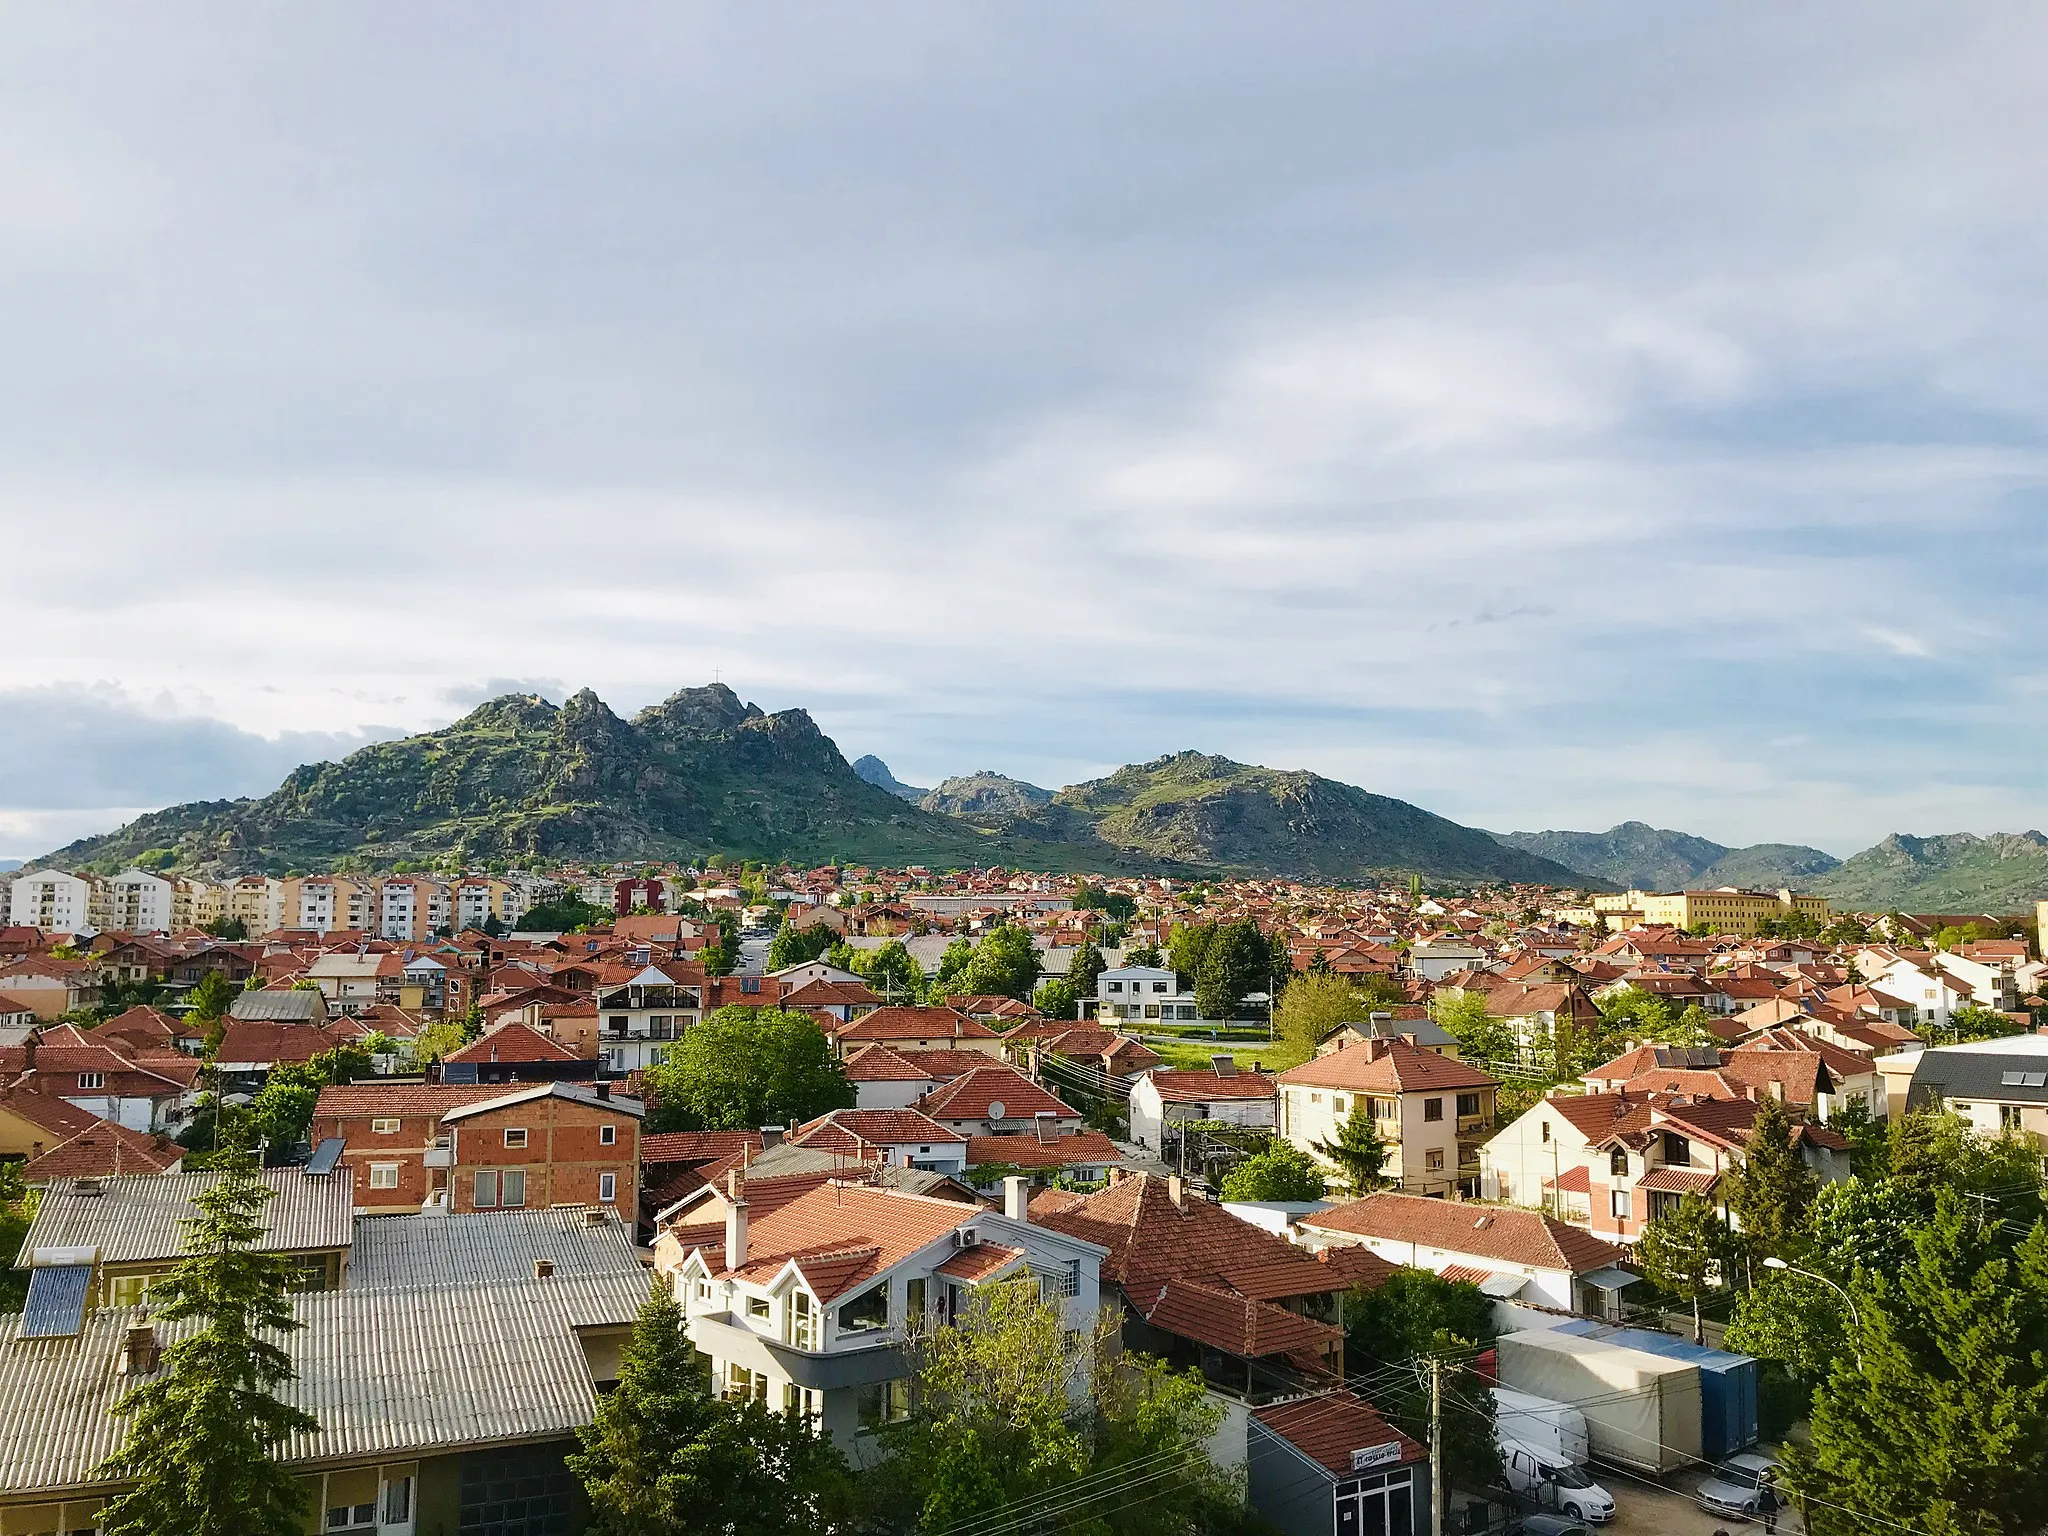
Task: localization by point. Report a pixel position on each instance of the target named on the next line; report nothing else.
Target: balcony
(440, 1157)
(725, 1336)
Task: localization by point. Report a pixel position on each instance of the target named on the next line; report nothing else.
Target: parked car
(1736, 1486)
(1551, 1525)
(1555, 1484)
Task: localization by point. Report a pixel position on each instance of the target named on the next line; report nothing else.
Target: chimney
(771, 1136)
(1225, 1064)
(543, 1269)
(1176, 1188)
(956, 1029)
(1042, 1123)
(604, 1092)
(735, 1225)
(86, 1189)
(140, 1348)
(28, 1054)
(1017, 1197)
(594, 1216)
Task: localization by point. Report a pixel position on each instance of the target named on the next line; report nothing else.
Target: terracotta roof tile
(1494, 1232)
(1328, 1428)
(1388, 1067)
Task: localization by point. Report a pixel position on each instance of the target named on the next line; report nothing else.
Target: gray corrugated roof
(412, 1251)
(136, 1217)
(296, 1006)
(387, 1373)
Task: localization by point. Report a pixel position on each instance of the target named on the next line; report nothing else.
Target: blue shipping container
(1727, 1382)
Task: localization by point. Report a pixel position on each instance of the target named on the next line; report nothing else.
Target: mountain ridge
(1637, 856)
(702, 772)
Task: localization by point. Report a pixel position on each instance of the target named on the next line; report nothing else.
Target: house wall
(563, 1157)
(1518, 1160)
(1316, 1114)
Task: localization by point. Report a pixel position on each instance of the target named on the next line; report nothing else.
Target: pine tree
(659, 1405)
(202, 1432)
(1358, 1151)
(1683, 1253)
(1774, 1186)
(1935, 1415)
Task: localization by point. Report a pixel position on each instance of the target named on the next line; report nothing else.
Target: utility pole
(1436, 1446)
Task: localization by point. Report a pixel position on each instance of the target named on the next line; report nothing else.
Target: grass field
(1273, 1058)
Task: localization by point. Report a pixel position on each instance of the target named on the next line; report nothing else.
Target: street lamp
(1775, 1262)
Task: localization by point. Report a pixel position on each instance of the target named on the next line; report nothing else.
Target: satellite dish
(996, 1108)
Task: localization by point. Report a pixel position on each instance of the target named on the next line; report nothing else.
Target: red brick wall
(563, 1156)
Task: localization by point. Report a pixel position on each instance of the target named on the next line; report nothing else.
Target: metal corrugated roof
(387, 1373)
(136, 1217)
(409, 1251)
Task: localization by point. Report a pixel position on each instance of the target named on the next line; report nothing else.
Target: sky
(1551, 415)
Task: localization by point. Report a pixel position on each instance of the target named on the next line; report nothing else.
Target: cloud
(75, 750)
(1534, 419)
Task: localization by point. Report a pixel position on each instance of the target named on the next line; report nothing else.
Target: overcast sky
(1548, 414)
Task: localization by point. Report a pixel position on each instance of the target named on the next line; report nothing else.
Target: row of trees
(743, 1067)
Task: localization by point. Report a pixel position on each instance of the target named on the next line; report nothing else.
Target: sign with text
(1375, 1455)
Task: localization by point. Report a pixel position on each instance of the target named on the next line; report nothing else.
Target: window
(868, 1310)
(515, 1135)
(607, 1135)
(398, 1501)
(486, 1194)
(1546, 1129)
(1617, 1204)
(1432, 1109)
(2009, 1117)
(1617, 1162)
(384, 1127)
(1158, 986)
(127, 1290)
(1116, 986)
(352, 1517)
(1434, 1159)
(1337, 1103)
(1315, 1098)
(759, 1308)
(1677, 1150)
(607, 1188)
(914, 1300)
(514, 1186)
(383, 1175)
(1151, 1010)
(884, 1402)
(802, 1320)
(92, 1080)
(1468, 1105)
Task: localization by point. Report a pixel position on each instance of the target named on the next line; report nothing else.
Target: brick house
(469, 1147)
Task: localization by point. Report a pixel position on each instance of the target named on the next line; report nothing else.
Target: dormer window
(87, 1080)
(1617, 1162)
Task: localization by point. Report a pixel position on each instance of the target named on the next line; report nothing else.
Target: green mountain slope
(1211, 811)
(520, 778)
(1959, 872)
(1635, 855)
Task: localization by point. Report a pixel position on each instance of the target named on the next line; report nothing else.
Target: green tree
(744, 1067)
(1359, 1151)
(1186, 946)
(1933, 1415)
(229, 930)
(889, 969)
(1773, 1188)
(1974, 1023)
(17, 1211)
(1413, 1314)
(211, 998)
(1685, 1253)
(201, 1433)
(1233, 963)
(1084, 971)
(1054, 998)
(1465, 1017)
(1145, 954)
(564, 914)
(793, 945)
(998, 1437)
(1312, 1006)
(282, 1110)
(1005, 964)
(1282, 1172)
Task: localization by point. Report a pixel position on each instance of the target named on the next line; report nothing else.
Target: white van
(1558, 1428)
(1555, 1483)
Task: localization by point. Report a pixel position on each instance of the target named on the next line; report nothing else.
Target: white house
(135, 901)
(1218, 1093)
(811, 1308)
(1997, 1085)
(51, 900)
(1138, 993)
(1437, 956)
(1509, 1254)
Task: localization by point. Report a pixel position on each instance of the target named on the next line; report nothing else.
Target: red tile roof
(1236, 1324)
(371, 1098)
(854, 1130)
(915, 1024)
(1329, 1427)
(1083, 1148)
(980, 1262)
(843, 1234)
(1498, 1233)
(695, 1146)
(1388, 1067)
(969, 1097)
(1193, 1086)
(513, 1041)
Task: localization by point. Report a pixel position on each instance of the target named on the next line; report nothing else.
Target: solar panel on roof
(2036, 1080)
(324, 1157)
(55, 1308)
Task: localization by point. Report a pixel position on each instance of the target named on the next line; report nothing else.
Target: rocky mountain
(986, 794)
(1212, 812)
(1635, 855)
(701, 772)
(877, 773)
(1958, 872)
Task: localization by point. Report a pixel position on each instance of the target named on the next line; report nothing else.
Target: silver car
(1738, 1486)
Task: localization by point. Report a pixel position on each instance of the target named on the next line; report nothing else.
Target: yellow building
(1727, 910)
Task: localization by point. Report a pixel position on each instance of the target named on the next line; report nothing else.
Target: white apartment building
(135, 901)
(258, 900)
(412, 908)
(51, 900)
(811, 1308)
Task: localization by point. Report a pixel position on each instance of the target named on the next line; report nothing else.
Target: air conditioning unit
(966, 1237)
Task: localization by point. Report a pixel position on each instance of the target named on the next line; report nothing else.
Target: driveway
(1651, 1509)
